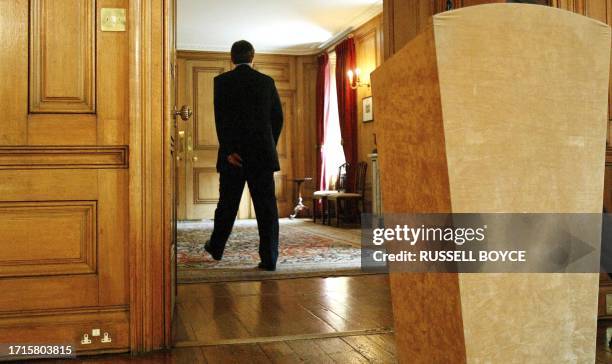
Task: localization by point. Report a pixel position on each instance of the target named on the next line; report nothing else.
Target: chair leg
(329, 203)
(338, 212)
(359, 211)
(315, 202)
(324, 210)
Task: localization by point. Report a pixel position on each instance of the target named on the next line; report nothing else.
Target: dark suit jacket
(249, 119)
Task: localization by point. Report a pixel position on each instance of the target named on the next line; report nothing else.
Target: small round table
(300, 206)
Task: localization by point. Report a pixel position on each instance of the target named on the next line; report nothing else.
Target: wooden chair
(322, 196)
(355, 192)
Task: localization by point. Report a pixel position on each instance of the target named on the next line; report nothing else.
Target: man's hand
(235, 160)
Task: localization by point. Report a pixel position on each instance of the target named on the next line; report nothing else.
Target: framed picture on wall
(368, 115)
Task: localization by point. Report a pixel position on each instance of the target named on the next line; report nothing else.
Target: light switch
(113, 20)
(95, 332)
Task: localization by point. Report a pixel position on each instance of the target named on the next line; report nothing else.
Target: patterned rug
(305, 250)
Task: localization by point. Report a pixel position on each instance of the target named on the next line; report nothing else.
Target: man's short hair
(242, 52)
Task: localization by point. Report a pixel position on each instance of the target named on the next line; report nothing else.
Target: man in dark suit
(249, 119)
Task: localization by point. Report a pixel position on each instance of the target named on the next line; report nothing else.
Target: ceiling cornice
(353, 24)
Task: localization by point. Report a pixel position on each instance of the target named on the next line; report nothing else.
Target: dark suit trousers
(261, 186)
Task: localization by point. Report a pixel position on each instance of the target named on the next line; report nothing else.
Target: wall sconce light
(355, 80)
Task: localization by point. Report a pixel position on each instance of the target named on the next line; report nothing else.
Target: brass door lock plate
(113, 20)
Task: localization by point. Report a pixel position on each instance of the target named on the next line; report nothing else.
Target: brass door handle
(195, 159)
(185, 112)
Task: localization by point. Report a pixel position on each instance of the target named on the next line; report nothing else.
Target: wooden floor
(236, 312)
(309, 320)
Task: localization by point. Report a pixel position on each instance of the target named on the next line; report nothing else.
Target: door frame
(150, 202)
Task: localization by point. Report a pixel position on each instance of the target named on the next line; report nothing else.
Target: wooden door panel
(13, 72)
(48, 293)
(62, 78)
(63, 242)
(204, 131)
(202, 180)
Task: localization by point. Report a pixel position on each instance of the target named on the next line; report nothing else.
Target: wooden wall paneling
(280, 68)
(65, 324)
(67, 157)
(304, 147)
(62, 129)
(112, 73)
(147, 198)
(13, 67)
(42, 294)
(112, 234)
(465, 3)
(62, 56)
(368, 49)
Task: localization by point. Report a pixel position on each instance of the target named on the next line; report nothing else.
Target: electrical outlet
(85, 340)
(95, 332)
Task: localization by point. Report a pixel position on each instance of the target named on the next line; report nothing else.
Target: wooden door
(64, 173)
(201, 144)
(199, 181)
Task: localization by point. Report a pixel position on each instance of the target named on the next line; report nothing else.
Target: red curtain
(322, 102)
(347, 101)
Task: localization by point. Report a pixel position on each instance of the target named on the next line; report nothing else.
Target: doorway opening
(318, 301)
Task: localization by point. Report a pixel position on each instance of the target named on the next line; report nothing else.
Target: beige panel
(206, 186)
(48, 238)
(522, 119)
(205, 133)
(62, 56)
(13, 71)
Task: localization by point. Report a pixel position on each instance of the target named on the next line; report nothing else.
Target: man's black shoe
(208, 248)
(265, 267)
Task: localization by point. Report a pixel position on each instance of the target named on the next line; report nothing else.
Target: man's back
(248, 117)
